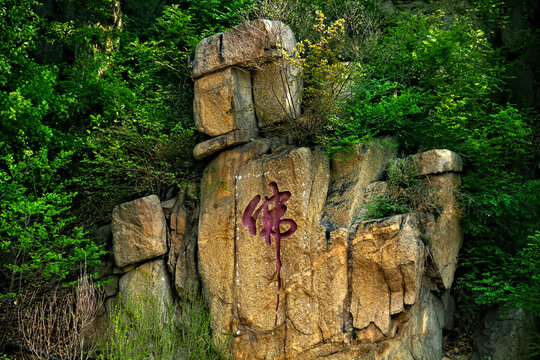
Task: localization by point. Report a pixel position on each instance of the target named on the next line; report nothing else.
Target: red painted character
(271, 222)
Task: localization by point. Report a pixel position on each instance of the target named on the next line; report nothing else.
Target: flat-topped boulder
(214, 145)
(245, 45)
(438, 161)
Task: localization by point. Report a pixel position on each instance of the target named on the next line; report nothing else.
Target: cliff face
(288, 263)
(349, 288)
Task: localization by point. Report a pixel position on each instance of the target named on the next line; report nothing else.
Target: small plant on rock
(406, 192)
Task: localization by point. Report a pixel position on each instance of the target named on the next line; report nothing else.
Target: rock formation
(339, 285)
(348, 287)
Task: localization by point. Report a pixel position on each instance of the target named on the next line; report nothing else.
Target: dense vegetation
(95, 109)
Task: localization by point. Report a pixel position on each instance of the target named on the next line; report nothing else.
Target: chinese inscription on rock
(273, 209)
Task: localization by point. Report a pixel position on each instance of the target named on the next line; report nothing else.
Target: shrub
(406, 192)
(134, 159)
(361, 20)
(325, 76)
(497, 276)
(385, 206)
(39, 246)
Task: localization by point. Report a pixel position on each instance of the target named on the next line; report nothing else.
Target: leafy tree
(141, 134)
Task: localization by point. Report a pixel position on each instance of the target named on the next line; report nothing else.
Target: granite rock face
(217, 229)
(349, 287)
(216, 144)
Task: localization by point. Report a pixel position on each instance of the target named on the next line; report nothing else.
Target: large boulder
(302, 174)
(139, 231)
(437, 161)
(244, 45)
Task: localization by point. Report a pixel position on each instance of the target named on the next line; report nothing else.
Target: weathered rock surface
(387, 264)
(351, 176)
(178, 219)
(443, 231)
(217, 228)
(277, 92)
(304, 174)
(246, 44)
(224, 102)
(100, 327)
(138, 231)
(349, 288)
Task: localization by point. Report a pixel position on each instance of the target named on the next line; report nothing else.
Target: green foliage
(18, 27)
(435, 81)
(28, 98)
(38, 242)
(139, 102)
(135, 159)
(497, 276)
(94, 99)
(361, 20)
(211, 16)
(142, 328)
(385, 206)
(376, 107)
